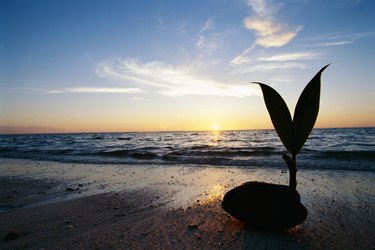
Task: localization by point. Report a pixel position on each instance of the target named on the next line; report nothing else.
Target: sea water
(344, 148)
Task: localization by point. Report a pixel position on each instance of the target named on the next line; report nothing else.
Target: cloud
(96, 90)
(207, 42)
(271, 34)
(171, 80)
(336, 39)
(268, 29)
(338, 43)
(207, 45)
(208, 25)
(263, 7)
(242, 58)
(79, 90)
(290, 57)
(265, 67)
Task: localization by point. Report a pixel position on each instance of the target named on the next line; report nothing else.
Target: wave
(354, 148)
(204, 151)
(127, 153)
(349, 155)
(114, 153)
(124, 138)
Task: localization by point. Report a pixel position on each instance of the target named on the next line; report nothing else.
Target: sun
(215, 127)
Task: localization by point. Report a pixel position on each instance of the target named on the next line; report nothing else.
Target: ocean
(339, 149)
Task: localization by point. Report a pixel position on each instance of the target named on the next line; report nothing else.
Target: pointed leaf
(280, 115)
(306, 112)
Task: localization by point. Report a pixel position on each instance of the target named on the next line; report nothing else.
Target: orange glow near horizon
(258, 119)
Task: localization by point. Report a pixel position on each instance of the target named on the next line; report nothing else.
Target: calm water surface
(346, 149)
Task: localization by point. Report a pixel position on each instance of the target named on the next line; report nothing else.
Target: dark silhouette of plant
(293, 133)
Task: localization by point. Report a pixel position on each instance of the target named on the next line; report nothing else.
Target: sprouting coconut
(274, 206)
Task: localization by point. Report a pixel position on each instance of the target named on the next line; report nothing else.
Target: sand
(80, 206)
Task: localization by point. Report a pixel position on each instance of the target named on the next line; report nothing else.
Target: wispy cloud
(338, 43)
(171, 80)
(270, 32)
(265, 67)
(207, 42)
(336, 39)
(268, 29)
(96, 90)
(207, 45)
(78, 90)
(242, 58)
(263, 7)
(208, 25)
(290, 57)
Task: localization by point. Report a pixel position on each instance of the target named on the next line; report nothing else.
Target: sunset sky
(90, 66)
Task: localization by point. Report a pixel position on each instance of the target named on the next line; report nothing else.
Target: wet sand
(58, 206)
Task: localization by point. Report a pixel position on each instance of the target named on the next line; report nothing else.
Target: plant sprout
(293, 133)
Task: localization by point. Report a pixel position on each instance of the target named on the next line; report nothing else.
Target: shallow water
(345, 149)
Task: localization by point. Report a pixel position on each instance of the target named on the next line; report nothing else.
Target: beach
(48, 205)
(187, 125)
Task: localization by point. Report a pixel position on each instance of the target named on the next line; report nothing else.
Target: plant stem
(293, 174)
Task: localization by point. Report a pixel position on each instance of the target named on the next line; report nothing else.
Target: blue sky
(180, 65)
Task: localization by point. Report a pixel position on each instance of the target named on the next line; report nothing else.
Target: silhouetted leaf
(306, 112)
(280, 115)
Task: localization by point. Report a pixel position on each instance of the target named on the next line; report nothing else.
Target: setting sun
(215, 126)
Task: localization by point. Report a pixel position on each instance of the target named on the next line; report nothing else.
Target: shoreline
(173, 207)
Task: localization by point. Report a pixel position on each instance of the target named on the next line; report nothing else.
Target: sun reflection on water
(215, 136)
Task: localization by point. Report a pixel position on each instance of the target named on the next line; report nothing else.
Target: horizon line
(170, 131)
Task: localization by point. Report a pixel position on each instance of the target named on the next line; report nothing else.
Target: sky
(117, 66)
